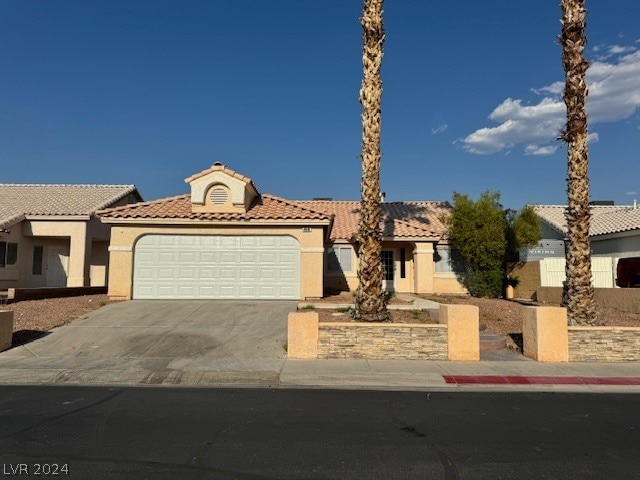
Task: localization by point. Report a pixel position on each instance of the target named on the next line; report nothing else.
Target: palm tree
(370, 301)
(577, 291)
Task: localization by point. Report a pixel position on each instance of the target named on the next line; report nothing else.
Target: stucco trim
(64, 218)
(410, 239)
(205, 223)
(117, 248)
(312, 250)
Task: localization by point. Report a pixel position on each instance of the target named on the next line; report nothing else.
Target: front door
(387, 269)
(57, 266)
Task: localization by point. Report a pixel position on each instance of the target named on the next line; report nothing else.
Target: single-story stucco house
(51, 237)
(227, 240)
(614, 233)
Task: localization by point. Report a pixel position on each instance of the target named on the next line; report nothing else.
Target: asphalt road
(163, 433)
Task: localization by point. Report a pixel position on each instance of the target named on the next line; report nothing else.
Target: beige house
(227, 240)
(51, 237)
(614, 233)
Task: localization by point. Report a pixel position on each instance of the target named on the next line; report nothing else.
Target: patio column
(311, 272)
(423, 268)
(79, 256)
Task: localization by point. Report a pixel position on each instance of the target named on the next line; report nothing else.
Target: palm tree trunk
(578, 292)
(370, 301)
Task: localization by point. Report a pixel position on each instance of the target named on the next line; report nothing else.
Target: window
(447, 260)
(37, 260)
(339, 259)
(403, 260)
(8, 253)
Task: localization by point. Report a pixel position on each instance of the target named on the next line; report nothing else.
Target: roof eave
(206, 222)
(75, 218)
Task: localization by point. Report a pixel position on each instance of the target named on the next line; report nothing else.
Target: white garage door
(216, 266)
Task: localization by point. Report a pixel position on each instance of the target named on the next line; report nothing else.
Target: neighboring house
(226, 240)
(614, 233)
(50, 236)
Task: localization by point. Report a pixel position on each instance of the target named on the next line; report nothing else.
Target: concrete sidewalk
(334, 374)
(222, 344)
(432, 375)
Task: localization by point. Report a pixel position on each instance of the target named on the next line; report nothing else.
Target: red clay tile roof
(218, 167)
(265, 207)
(605, 219)
(400, 219)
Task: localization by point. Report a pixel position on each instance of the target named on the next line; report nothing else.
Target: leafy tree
(484, 234)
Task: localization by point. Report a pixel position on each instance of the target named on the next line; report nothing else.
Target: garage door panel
(250, 258)
(199, 266)
(227, 258)
(207, 257)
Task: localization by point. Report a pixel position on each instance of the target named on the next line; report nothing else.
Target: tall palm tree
(370, 302)
(578, 291)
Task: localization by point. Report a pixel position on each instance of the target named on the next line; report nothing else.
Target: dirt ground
(505, 317)
(347, 297)
(397, 316)
(33, 316)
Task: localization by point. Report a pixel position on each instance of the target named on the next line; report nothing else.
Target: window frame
(8, 251)
(332, 257)
(449, 259)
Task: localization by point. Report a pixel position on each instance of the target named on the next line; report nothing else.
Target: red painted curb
(538, 380)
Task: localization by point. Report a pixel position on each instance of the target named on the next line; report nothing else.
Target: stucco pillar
(120, 272)
(423, 268)
(311, 273)
(545, 334)
(79, 257)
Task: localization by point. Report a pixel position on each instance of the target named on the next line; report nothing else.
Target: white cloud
(540, 151)
(593, 137)
(614, 94)
(439, 129)
(632, 193)
(618, 49)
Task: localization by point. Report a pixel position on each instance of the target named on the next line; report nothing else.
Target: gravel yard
(32, 316)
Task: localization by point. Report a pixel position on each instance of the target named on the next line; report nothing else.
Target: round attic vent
(218, 195)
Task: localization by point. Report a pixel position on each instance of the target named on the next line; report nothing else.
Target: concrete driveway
(159, 342)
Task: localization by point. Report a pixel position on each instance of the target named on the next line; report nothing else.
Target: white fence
(603, 270)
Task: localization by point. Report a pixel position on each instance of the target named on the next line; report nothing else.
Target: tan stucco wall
(447, 283)
(123, 238)
(99, 263)
(302, 335)
(79, 249)
(529, 275)
(348, 281)
(423, 267)
(463, 331)
(544, 334)
(14, 275)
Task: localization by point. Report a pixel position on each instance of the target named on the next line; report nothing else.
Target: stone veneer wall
(604, 344)
(382, 341)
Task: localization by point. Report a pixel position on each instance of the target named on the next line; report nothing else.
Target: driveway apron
(194, 342)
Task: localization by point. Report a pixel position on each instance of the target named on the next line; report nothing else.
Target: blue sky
(150, 92)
